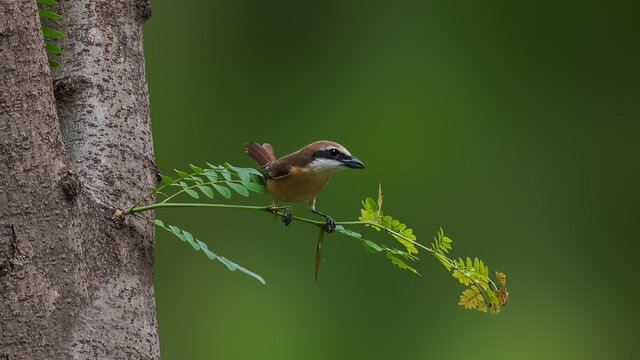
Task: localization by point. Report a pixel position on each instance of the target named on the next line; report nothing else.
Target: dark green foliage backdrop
(512, 125)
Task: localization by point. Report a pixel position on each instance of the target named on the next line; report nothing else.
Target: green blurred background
(513, 125)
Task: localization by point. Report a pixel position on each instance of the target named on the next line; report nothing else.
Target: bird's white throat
(325, 165)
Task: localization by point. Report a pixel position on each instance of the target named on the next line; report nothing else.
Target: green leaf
(196, 179)
(446, 264)
(230, 264)
(206, 190)
(224, 191)
(176, 230)
(410, 247)
(49, 14)
(341, 229)
(206, 250)
(367, 215)
(258, 179)
(52, 33)
(255, 187)
(192, 193)
(239, 188)
(52, 48)
(250, 273)
(401, 264)
(242, 172)
(53, 63)
(211, 175)
(190, 239)
(199, 245)
(254, 171)
(226, 174)
(370, 204)
(464, 279)
(167, 179)
(182, 174)
(196, 169)
(48, 2)
(372, 247)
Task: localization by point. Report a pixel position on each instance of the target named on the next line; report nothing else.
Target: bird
(301, 175)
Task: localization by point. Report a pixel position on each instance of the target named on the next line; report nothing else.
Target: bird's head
(330, 156)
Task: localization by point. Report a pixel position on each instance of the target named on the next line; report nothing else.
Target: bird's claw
(287, 216)
(331, 225)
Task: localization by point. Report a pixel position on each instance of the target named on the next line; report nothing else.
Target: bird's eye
(334, 152)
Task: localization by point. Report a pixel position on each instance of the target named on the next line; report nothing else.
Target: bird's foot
(287, 217)
(331, 225)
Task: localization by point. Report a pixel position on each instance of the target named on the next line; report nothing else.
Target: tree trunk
(74, 282)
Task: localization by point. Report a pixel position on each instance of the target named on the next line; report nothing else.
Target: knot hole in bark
(70, 185)
(66, 87)
(143, 10)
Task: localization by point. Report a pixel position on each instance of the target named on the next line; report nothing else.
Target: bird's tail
(262, 154)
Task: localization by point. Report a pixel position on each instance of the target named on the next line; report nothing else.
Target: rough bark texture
(75, 283)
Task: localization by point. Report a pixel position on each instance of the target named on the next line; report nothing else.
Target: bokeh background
(513, 125)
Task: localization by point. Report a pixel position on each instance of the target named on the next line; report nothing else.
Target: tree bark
(74, 282)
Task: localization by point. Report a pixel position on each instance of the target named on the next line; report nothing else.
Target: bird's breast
(300, 185)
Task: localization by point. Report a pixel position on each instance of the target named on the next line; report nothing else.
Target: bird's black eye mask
(333, 154)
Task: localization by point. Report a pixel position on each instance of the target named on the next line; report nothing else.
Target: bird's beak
(353, 163)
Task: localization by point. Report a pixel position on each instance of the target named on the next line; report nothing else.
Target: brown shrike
(301, 175)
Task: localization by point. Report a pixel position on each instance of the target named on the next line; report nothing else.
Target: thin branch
(268, 209)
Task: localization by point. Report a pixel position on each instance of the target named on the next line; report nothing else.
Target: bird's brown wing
(282, 167)
(276, 170)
